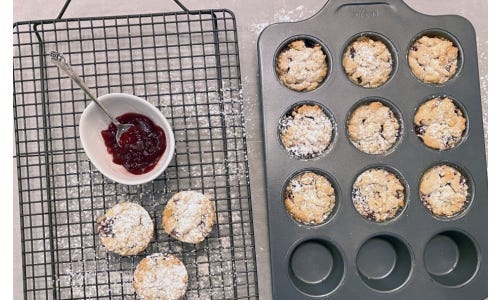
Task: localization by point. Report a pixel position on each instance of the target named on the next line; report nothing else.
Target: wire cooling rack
(187, 65)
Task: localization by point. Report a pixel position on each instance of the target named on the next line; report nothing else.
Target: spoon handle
(59, 60)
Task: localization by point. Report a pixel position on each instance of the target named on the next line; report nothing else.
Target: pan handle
(336, 4)
(357, 2)
(332, 6)
(339, 3)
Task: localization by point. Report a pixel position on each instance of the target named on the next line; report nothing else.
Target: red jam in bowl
(142, 145)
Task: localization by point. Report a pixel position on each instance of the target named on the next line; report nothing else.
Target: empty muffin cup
(302, 65)
(316, 267)
(384, 263)
(451, 258)
(306, 130)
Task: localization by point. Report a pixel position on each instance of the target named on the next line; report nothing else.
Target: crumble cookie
(367, 62)
(309, 198)
(189, 216)
(160, 277)
(443, 190)
(125, 229)
(433, 59)
(301, 67)
(306, 131)
(378, 195)
(439, 123)
(373, 128)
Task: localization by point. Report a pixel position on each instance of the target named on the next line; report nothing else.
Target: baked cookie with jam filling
(189, 216)
(125, 229)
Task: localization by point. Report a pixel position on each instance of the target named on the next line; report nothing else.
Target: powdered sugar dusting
(440, 123)
(160, 276)
(444, 191)
(302, 67)
(306, 131)
(189, 216)
(483, 81)
(310, 198)
(367, 62)
(373, 128)
(378, 195)
(282, 15)
(126, 228)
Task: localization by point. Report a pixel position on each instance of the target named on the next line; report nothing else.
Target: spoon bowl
(59, 60)
(93, 121)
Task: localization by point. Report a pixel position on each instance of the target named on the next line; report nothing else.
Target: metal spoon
(61, 62)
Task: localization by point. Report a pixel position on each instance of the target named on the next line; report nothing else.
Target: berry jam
(142, 145)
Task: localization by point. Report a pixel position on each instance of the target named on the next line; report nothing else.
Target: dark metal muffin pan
(416, 255)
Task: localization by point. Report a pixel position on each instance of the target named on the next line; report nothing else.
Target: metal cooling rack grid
(187, 65)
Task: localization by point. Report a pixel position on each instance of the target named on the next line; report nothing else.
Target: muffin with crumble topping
(302, 65)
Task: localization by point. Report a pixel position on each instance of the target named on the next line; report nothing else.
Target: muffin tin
(415, 255)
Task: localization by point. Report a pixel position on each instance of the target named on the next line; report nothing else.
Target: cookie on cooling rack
(189, 216)
(160, 277)
(125, 229)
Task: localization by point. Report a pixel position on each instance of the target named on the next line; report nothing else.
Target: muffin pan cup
(415, 234)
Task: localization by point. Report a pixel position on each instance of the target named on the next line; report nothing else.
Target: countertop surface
(251, 17)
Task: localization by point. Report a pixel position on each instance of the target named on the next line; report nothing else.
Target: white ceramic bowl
(93, 121)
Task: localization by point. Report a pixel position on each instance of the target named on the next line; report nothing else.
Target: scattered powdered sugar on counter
(483, 81)
(282, 15)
